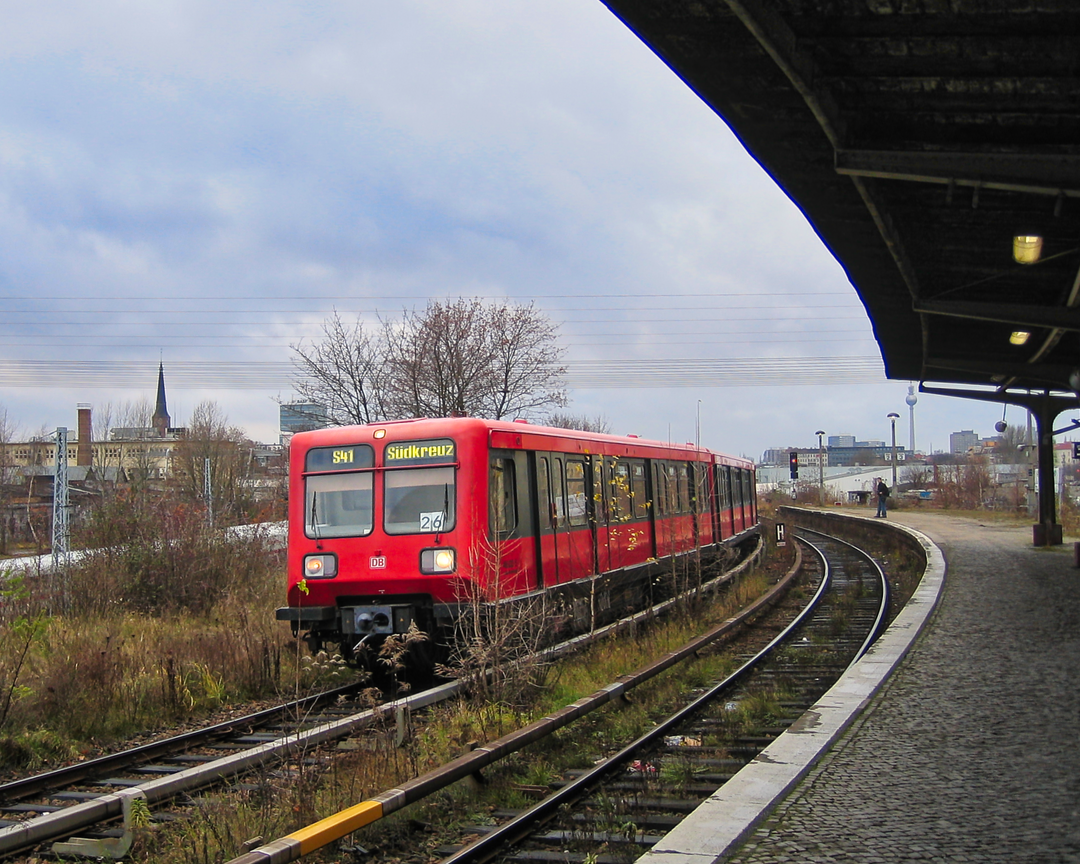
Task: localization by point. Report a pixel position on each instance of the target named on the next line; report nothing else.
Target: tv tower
(911, 399)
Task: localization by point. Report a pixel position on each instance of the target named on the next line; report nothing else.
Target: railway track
(57, 804)
(627, 801)
(617, 810)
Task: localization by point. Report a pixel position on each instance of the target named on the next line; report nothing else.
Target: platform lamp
(893, 416)
(820, 468)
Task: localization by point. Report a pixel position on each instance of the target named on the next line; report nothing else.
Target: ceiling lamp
(1019, 337)
(1027, 248)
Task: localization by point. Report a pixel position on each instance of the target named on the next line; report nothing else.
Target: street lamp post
(893, 416)
(820, 468)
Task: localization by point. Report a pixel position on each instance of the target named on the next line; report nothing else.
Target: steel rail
(883, 606)
(63, 823)
(313, 837)
(65, 776)
(518, 827)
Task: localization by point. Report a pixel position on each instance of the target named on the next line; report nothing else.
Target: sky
(202, 184)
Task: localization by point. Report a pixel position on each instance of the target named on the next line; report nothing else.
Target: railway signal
(793, 461)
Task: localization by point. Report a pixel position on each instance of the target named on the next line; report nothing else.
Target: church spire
(161, 419)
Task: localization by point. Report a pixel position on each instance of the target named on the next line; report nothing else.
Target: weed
(677, 772)
(31, 749)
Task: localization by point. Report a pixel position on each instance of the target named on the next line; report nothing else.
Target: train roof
(514, 434)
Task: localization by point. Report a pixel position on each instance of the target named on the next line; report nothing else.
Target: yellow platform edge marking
(334, 827)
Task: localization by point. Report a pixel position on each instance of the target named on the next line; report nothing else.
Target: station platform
(958, 740)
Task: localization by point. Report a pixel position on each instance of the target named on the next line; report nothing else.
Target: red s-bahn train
(412, 521)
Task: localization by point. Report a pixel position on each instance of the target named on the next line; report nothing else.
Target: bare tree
(134, 425)
(915, 476)
(578, 422)
(525, 359)
(345, 372)
(440, 360)
(210, 442)
(462, 357)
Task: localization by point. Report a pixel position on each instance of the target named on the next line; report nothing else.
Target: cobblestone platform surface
(971, 752)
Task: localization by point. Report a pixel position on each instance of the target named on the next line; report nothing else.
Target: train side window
(684, 487)
(658, 488)
(576, 501)
(502, 498)
(559, 519)
(723, 474)
(699, 493)
(543, 493)
(638, 491)
(672, 505)
(599, 490)
(660, 483)
(621, 495)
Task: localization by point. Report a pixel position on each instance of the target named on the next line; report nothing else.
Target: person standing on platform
(882, 498)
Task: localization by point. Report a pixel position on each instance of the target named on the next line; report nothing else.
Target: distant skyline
(147, 404)
(203, 183)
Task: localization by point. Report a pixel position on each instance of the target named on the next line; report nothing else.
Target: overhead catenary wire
(580, 374)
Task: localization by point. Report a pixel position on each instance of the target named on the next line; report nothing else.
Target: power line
(583, 374)
(12, 322)
(306, 299)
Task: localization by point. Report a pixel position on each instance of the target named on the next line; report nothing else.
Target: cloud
(208, 181)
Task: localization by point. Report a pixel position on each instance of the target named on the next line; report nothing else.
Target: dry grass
(136, 640)
(283, 800)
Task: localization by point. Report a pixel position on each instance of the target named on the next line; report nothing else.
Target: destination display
(339, 458)
(435, 452)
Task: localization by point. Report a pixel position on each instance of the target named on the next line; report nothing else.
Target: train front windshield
(339, 505)
(339, 502)
(420, 501)
(419, 486)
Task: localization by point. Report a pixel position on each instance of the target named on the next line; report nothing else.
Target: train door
(580, 555)
(723, 501)
(513, 556)
(665, 493)
(622, 533)
(639, 545)
(547, 519)
(599, 494)
(703, 504)
(737, 499)
(749, 498)
(649, 482)
(685, 522)
(695, 502)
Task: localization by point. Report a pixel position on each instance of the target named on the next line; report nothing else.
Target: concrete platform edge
(717, 827)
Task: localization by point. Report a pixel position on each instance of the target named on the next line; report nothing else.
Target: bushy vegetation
(164, 618)
(276, 806)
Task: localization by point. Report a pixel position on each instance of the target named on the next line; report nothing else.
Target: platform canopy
(919, 137)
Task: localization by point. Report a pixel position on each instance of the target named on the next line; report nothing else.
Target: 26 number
(432, 521)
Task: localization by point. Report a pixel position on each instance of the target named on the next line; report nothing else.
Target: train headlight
(320, 566)
(438, 560)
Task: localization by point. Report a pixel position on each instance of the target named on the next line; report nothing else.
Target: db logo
(378, 562)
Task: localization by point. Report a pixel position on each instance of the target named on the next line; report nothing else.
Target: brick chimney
(84, 452)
